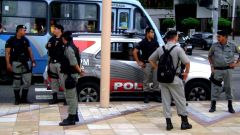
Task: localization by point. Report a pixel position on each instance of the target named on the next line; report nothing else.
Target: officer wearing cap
(222, 61)
(55, 49)
(71, 69)
(147, 46)
(18, 53)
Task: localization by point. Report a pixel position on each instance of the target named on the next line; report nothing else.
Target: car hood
(199, 68)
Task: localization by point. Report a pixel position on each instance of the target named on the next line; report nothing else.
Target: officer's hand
(185, 75)
(141, 64)
(33, 64)
(212, 69)
(9, 67)
(232, 65)
(82, 72)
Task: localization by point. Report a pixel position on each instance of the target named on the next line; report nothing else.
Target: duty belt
(223, 68)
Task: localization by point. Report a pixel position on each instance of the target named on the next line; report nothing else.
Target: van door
(126, 75)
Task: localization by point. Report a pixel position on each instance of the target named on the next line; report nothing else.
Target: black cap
(59, 26)
(21, 27)
(67, 35)
(222, 33)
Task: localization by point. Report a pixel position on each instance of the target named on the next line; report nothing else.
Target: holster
(214, 81)
(70, 82)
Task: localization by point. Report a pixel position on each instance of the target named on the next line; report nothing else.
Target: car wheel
(198, 91)
(88, 92)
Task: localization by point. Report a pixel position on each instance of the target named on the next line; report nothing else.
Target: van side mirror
(143, 22)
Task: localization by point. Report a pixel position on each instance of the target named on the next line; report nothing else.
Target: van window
(120, 51)
(140, 22)
(74, 17)
(32, 14)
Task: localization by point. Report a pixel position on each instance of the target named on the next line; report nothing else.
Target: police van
(126, 76)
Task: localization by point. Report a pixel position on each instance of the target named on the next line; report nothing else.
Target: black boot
(54, 99)
(24, 96)
(185, 125)
(76, 117)
(213, 106)
(70, 120)
(169, 124)
(17, 97)
(230, 107)
(146, 97)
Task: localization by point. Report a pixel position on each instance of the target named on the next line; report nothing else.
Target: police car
(126, 75)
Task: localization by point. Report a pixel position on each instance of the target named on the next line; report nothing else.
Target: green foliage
(168, 23)
(223, 24)
(190, 23)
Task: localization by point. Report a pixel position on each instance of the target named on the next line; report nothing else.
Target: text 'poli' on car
(126, 75)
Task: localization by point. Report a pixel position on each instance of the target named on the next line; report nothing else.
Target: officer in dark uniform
(222, 61)
(71, 68)
(55, 49)
(147, 46)
(18, 54)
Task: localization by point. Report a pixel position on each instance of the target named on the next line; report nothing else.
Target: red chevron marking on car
(83, 44)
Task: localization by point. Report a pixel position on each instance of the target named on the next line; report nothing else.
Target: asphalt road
(7, 95)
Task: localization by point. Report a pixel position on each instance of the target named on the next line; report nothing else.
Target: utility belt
(223, 68)
(54, 61)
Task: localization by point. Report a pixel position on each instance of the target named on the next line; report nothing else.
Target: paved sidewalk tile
(122, 118)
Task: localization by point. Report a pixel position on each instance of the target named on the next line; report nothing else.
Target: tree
(223, 24)
(168, 23)
(190, 23)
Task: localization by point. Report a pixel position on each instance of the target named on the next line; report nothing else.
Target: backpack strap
(168, 51)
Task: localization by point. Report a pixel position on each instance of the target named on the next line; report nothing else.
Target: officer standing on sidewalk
(71, 69)
(55, 49)
(176, 88)
(147, 46)
(18, 54)
(222, 61)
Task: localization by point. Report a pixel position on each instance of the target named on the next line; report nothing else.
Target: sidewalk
(123, 118)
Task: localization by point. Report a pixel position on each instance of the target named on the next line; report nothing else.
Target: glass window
(31, 14)
(75, 17)
(160, 4)
(122, 51)
(140, 22)
(124, 20)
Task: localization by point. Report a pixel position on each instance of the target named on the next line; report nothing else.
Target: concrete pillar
(105, 53)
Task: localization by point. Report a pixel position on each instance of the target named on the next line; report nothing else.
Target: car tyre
(88, 92)
(198, 91)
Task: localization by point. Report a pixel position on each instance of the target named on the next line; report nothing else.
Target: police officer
(176, 88)
(55, 49)
(71, 68)
(147, 46)
(18, 54)
(222, 61)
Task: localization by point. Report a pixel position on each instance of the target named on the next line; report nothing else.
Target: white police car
(126, 75)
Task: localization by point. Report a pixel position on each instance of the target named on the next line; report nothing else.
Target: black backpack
(166, 70)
